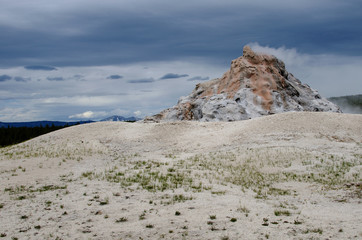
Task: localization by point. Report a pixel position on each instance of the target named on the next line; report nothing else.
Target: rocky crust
(255, 85)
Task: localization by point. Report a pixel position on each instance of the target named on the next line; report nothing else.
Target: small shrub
(104, 202)
(177, 213)
(122, 219)
(142, 216)
(282, 213)
(22, 197)
(233, 220)
(297, 222)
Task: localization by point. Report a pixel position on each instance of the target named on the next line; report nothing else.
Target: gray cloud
(198, 78)
(145, 80)
(115, 77)
(55, 78)
(21, 79)
(40, 68)
(4, 78)
(173, 75)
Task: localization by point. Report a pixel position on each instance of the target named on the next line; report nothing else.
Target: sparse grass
(243, 209)
(278, 191)
(75, 152)
(313, 230)
(30, 189)
(142, 216)
(181, 198)
(149, 175)
(242, 167)
(122, 219)
(218, 192)
(21, 197)
(282, 213)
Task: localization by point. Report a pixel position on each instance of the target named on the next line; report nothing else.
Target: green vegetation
(122, 219)
(282, 213)
(314, 230)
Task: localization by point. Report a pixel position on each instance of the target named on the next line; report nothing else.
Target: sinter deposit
(255, 85)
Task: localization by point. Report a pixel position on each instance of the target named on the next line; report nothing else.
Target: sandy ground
(286, 176)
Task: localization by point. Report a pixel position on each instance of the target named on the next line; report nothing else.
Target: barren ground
(286, 176)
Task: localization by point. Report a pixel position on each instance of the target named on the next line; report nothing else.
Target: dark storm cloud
(4, 78)
(41, 68)
(173, 75)
(162, 30)
(145, 80)
(55, 78)
(198, 78)
(115, 77)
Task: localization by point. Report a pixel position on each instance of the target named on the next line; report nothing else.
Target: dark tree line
(14, 135)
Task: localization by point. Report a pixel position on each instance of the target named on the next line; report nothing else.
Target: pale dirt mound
(285, 176)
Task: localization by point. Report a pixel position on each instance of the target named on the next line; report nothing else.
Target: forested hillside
(349, 104)
(13, 135)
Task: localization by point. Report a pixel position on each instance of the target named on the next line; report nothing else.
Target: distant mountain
(116, 118)
(62, 124)
(349, 104)
(40, 124)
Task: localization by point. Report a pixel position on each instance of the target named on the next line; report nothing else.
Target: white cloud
(137, 113)
(88, 115)
(18, 114)
(95, 101)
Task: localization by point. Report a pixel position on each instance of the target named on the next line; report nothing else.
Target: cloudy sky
(86, 59)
